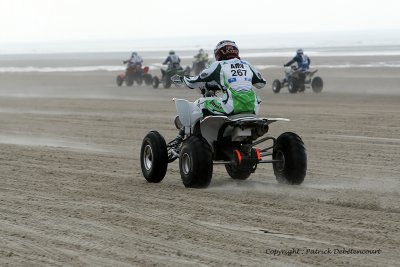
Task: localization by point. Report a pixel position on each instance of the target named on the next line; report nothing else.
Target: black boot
(179, 138)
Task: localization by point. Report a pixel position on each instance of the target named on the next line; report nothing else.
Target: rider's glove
(211, 86)
(285, 65)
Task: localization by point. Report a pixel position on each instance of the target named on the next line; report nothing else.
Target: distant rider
(235, 77)
(302, 60)
(200, 61)
(173, 61)
(201, 56)
(134, 61)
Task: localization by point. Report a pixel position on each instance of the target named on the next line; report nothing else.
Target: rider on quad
(302, 60)
(201, 56)
(235, 77)
(200, 62)
(173, 61)
(135, 61)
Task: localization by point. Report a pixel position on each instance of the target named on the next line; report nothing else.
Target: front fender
(189, 114)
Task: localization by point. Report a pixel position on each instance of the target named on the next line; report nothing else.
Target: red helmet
(226, 50)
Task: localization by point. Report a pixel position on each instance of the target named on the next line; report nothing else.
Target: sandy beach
(72, 192)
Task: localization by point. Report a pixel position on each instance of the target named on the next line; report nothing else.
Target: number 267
(238, 72)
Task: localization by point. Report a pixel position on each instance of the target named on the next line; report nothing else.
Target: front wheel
(148, 80)
(276, 86)
(292, 87)
(292, 165)
(128, 80)
(119, 80)
(154, 157)
(317, 84)
(196, 69)
(156, 82)
(187, 71)
(195, 163)
(167, 82)
(139, 80)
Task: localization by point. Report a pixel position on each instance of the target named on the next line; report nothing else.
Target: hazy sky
(70, 20)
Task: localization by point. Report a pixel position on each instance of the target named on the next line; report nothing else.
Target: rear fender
(309, 76)
(210, 127)
(133, 70)
(238, 127)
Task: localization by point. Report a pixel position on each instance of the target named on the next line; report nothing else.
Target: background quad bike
(297, 82)
(166, 75)
(199, 66)
(135, 74)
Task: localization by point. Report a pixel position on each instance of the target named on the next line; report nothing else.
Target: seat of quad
(242, 115)
(253, 116)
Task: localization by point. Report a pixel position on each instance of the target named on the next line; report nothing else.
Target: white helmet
(299, 51)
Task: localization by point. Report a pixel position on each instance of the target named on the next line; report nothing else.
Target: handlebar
(177, 80)
(208, 90)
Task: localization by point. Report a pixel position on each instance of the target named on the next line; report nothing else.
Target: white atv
(227, 140)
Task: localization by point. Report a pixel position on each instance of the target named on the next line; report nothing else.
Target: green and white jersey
(236, 79)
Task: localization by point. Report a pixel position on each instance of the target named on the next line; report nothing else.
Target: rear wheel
(238, 172)
(317, 84)
(195, 163)
(156, 82)
(154, 157)
(276, 86)
(292, 166)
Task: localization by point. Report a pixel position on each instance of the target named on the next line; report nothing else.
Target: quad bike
(297, 80)
(228, 140)
(135, 74)
(166, 75)
(199, 66)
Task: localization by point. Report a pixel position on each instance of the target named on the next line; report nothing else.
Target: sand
(72, 192)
